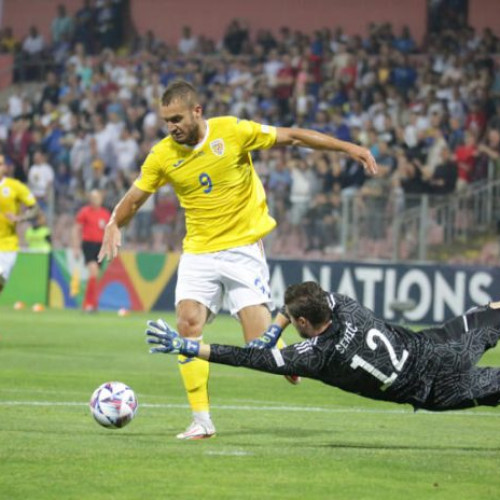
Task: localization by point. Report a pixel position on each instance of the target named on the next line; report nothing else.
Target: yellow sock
(194, 373)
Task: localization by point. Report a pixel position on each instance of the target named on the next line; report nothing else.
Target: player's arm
(28, 213)
(121, 216)
(306, 362)
(305, 138)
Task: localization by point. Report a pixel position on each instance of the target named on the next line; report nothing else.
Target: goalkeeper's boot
(198, 430)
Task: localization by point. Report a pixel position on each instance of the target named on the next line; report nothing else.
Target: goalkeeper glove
(268, 339)
(169, 341)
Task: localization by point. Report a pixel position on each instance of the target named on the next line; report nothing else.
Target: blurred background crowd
(82, 115)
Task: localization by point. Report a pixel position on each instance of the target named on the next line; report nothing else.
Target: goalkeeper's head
(308, 308)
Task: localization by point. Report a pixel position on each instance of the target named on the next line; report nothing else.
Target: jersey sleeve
(150, 178)
(252, 135)
(80, 216)
(304, 359)
(25, 195)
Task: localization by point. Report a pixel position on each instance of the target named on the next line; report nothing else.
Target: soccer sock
(194, 373)
(91, 293)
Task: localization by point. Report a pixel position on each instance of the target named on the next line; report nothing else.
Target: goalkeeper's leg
(191, 317)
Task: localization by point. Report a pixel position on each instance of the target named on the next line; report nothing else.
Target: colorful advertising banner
(144, 282)
(133, 281)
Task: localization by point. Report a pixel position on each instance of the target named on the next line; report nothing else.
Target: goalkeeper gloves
(268, 339)
(169, 341)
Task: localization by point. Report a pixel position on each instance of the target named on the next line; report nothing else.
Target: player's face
(302, 326)
(183, 121)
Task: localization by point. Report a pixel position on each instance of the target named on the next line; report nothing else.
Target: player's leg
(90, 300)
(7, 261)
(479, 386)
(460, 342)
(90, 251)
(198, 296)
(254, 320)
(246, 281)
(191, 317)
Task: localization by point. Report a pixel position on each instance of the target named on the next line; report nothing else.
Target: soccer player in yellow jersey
(13, 194)
(208, 164)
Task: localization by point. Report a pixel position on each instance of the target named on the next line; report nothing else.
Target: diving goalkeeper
(346, 346)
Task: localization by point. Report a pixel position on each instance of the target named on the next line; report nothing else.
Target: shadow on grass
(406, 447)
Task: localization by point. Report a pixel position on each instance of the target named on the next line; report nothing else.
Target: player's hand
(268, 339)
(111, 242)
(364, 156)
(169, 341)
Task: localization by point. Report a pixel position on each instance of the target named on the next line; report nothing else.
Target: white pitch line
(228, 453)
(292, 409)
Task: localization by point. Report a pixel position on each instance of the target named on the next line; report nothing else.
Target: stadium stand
(84, 105)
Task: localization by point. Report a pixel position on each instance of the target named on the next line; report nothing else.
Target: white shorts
(233, 279)
(7, 261)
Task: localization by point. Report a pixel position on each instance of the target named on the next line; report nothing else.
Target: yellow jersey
(223, 197)
(12, 194)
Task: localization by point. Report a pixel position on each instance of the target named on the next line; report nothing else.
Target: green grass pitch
(274, 440)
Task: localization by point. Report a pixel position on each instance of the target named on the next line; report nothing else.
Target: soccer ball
(113, 405)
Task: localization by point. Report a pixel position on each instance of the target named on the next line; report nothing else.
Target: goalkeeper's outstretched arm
(296, 359)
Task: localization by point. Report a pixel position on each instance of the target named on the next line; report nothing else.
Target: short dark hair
(308, 300)
(180, 89)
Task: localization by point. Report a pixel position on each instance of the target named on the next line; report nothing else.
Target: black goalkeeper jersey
(358, 353)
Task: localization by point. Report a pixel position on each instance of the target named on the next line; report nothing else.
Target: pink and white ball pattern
(113, 405)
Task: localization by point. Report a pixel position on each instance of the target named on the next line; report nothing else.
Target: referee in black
(346, 346)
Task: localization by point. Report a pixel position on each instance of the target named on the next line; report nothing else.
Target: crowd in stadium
(429, 112)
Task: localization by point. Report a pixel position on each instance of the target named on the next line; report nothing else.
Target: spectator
(301, 195)
(105, 19)
(62, 25)
(280, 181)
(318, 223)
(188, 42)
(104, 137)
(488, 156)
(465, 156)
(41, 180)
(50, 90)
(80, 154)
(32, 55)
(142, 224)
(85, 26)
(126, 152)
(9, 44)
(17, 147)
(445, 176)
(38, 235)
(236, 37)
(166, 221)
(97, 180)
(34, 44)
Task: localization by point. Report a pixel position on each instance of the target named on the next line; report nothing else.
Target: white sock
(202, 417)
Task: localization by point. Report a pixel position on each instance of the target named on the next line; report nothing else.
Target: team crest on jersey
(217, 147)
(5, 191)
